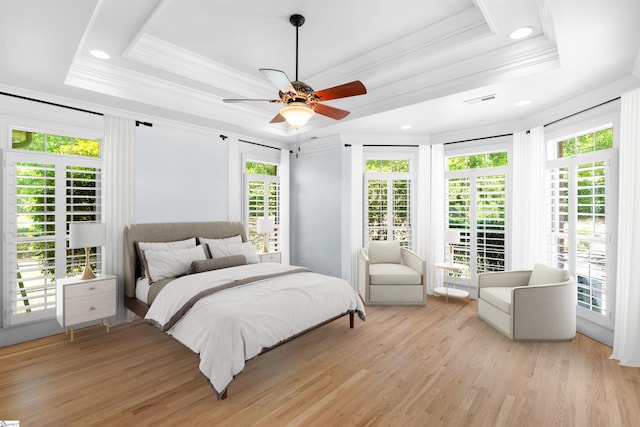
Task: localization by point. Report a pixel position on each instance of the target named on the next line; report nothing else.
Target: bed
(201, 283)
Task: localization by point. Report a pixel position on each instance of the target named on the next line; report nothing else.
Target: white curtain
(436, 253)
(423, 219)
(119, 194)
(356, 237)
(285, 222)
(527, 206)
(626, 339)
(234, 179)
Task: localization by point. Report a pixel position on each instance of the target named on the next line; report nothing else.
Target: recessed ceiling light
(523, 103)
(100, 54)
(405, 127)
(521, 33)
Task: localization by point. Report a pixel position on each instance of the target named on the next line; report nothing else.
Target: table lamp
(265, 226)
(451, 236)
(86, 235)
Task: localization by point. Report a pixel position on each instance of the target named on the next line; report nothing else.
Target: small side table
(269, 257)
(450, 290)
(80, 301)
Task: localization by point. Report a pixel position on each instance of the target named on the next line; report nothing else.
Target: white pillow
(160, 246)
(174, 263)
(216, 245)
(232, 249)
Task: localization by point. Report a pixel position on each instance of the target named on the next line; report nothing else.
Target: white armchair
(538, 304)
(393, 275)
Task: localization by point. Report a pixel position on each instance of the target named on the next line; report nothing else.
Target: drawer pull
(93, 288)
(92, 308)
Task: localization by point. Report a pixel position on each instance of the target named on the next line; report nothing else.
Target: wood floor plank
(437, 365)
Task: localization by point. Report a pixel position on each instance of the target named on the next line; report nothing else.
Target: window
(578, 215)
(390, 206)
(475, 204)
(262, 186)
(50, 182)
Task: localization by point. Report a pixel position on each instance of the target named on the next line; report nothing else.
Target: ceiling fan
(300, 101)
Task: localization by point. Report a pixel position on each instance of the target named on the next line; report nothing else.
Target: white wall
(316, 212)
(181, 176)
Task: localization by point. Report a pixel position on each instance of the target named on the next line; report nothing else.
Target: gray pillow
(200, 266)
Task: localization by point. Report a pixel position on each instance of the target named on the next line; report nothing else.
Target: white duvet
(233, 325)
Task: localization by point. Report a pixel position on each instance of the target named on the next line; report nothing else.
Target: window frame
(388, 153)
(275, 244)
(497, 145)
(610, 158)
(63, 259)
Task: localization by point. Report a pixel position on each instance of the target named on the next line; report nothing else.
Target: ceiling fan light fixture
(297, 114)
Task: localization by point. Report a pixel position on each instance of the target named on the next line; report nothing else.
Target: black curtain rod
(384, 145)
(478, 139)
(224, 137)
(581, 111)
(68, 107)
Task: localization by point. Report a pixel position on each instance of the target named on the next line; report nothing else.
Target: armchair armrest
(508, 279)
(363, 273)
(544, 311)
(413, 260)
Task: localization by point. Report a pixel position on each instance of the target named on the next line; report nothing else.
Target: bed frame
(168, 232)
(165, 232)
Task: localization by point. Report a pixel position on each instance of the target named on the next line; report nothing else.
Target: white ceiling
(419, 59)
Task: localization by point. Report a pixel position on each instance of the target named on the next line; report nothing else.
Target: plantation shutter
(263, 201)
(591, 245)
(577, 234)
(42, 198)
(31, 228)
(460, 215)
(389, 207)
(83, 203)
(476, 206)
(490, 214)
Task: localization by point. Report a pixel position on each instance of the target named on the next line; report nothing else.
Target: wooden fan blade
(332, 112)
(279, 79)
(250, 100)
(278, 119)
(342, 91)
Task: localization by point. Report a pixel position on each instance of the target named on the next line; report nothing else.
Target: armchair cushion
(384, 251)
(499, 297)
(393, 274)
(543, 275)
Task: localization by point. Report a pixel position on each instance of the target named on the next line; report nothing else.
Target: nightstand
(269, 257)
(80, 301)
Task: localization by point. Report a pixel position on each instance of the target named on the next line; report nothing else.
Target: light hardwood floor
(437, 365)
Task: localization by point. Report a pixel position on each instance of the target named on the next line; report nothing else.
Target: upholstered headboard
(168, 232)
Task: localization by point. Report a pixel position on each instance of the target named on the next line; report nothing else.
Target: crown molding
(165, 56)
(423, 45)
(518, 60)
(120, 82)
(582, 101)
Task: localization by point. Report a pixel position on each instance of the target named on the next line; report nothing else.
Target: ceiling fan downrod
(297, 21)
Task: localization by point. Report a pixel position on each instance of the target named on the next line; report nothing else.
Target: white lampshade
(451, 236)
(86, 234)
(265, 225)
(297, 114)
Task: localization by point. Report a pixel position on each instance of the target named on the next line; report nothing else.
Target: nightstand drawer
(87, 308)
(91, 288)
(270, 257)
